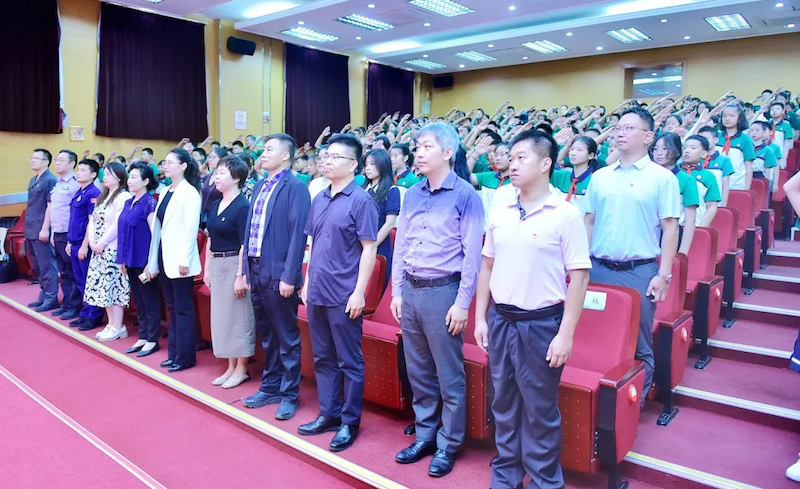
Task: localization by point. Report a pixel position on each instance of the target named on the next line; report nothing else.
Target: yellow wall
(746, 66)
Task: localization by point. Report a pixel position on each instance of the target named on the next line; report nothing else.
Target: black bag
(8, 270)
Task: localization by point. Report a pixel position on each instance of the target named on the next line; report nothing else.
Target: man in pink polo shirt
(532, 243)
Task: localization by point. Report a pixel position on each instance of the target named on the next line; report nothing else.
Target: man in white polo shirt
(533, 242)
(632, 215)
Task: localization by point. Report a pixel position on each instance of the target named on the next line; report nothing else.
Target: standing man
(538, 239)
(273, 271)
(435, 267)
(57, 216)
(343, 226)
(37, 231)
(631, 218)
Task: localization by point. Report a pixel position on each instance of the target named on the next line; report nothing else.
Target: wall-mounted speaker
(445, 81)
(241, 46)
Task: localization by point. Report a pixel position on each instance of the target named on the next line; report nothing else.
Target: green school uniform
(794, 119)
(740, 148)
(785, 127)
(406, 179)
(305, 178)
(491, 179)
(360, 179)
(561, 179)
(712, 192)
(482, 165)
(764, 160)
(689, 194)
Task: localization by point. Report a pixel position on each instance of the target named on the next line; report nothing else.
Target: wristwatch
(665, 278)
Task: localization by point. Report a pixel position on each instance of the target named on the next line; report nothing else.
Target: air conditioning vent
(792, 18)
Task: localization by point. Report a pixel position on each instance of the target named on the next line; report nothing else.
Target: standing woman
(134, 246)
(106, 285)
(379, 185)
(232, 323)
(208, 191)
(173, 251)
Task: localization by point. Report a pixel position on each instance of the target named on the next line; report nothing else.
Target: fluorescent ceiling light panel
(391, 46)
(365, 23)
(309, 35)
(634, 6)
(475, 56)
(267, 8)
(424, 63)
(154, 1)
(545, 47)
(629, 35)
(730, 22)
(663, 79)
(447, 8)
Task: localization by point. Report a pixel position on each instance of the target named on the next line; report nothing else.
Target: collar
(449, 182)
(583, 176)
(347, 190)
(69, 177)
(278, 176)
(675, 169)
(404, 174)
(738, 133)
(639, 164)
(760, 146)
(713, 156)
(552, 201)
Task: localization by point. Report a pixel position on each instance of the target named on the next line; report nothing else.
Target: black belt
(624, 265)
(254, 259)
(432, 282)
(758, 174)
(514, 313)
(224, 254)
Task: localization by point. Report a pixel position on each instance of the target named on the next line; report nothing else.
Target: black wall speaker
(443, 81)
(241, 46)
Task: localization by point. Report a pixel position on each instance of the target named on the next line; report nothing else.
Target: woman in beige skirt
(232, 323)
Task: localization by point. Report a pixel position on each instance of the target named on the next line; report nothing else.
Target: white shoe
(793, 472)
(114, 334)
(103, 332)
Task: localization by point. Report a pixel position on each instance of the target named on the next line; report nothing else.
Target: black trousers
(182, 327)
(148, 307)
(276, 323)
(44, 264)
(72, 296)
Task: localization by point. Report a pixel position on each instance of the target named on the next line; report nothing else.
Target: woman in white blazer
(173, 252)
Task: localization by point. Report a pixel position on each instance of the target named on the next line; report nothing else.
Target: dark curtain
(317, 92)
(389, 90)
(152, 79)
(29, 71)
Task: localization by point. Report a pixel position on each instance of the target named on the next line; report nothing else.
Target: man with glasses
(57, 217)
(434, 275)
(632, 211)
(37, 231)
(488, 182)
(343, 226)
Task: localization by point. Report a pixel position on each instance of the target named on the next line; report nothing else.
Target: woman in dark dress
(379, 183)
(132, 251)
(232, 322)
(208, 191)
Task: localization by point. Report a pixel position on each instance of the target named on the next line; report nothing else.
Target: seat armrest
(710, 281)
(621, 374)
(674, 319)
(618, 411)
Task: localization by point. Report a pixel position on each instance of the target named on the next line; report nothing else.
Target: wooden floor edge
(334, 461)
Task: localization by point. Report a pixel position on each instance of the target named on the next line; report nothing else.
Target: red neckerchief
(575, 180)
(727, 147)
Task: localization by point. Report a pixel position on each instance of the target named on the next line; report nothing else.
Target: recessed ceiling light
(664, 21)
(424, 55)
(655, 74)
(599, 48)
(155, 1)
(475, 56)
(358, 38)
(309, 35)
(780, 4)
(678, 85)
(447, 8)
(372, 5)
(365, 23)
(301, 22)
(460, 66)
(490, 46)
(791, 25)
(427, 24)
(545, 47)
(524, 57)
(730, 22)
(686, 38)
(512, 8)
(629, 35)
(424, 63)
(569, 34)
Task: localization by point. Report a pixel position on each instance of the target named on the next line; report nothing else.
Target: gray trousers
(435, 364)
(639, 278)
(525, 407)
(44, 263)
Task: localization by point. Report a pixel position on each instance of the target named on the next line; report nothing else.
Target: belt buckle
(415, 282)
(613, 265)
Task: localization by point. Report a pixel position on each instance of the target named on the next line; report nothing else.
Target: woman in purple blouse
(134, 245)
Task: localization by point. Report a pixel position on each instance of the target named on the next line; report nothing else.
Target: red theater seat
(765, 216)
(792, 161)
(15, 245)
(385, 381)
(730, 258)
(601, 386)
(198, 285)
(479, 384)
(784, 214)
(704, 289)
(750, 235)
(672, 333)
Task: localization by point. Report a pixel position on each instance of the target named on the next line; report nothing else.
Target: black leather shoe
(35, 303)
(58, 312)
(69, 314)
(286, 410)
(88, 325)
(410, 430)
(133, 349)
(416, 452)
(78, 322)
(345, 437)
(261, 399)
(441, 464)
(320, 425)
(177, 368)
(144, 353)
(166, 363)
(47, 306)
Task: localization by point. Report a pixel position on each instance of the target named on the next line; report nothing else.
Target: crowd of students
(481, 204)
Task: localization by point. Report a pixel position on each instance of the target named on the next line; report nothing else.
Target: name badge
(595, 300)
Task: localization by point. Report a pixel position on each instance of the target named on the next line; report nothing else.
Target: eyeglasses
(335, 158)
(626, 129)
(38, 158)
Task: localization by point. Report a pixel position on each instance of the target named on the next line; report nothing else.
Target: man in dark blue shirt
(343, 225)
(37, 232)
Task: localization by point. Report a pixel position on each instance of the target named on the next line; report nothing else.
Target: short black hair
(287, 141)
(545, 127)
(543, 144)
(238, 143)
(148, 151)
(73, 158)
(92, 164)
(767, 91)
(201, 151)
(215, 144)
(708, 129)
(237, 167)
(593, 129)
(643, 114)
(780, 104)
(510, 107)
(146, 173)
(351, 142)
(767, 126)
(100, 158)
(703, 141)
(384, 141)
(47, 155)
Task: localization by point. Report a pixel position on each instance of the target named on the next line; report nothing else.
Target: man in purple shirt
(437, 256)
(57, 218)
(343, 225)
(81, 208)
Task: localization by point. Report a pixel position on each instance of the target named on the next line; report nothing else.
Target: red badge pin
(534, 235)
(631, 184)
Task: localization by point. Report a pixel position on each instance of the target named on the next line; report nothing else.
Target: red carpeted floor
(764, 335)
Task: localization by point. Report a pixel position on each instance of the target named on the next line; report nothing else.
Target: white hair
(445, 135)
